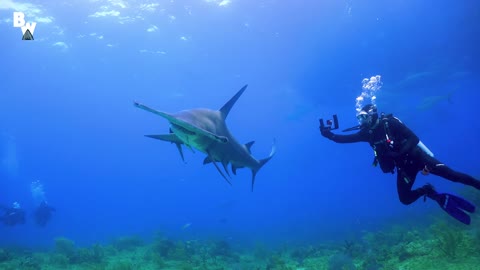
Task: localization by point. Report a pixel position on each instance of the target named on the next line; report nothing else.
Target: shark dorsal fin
(249, 146)
(228, 106)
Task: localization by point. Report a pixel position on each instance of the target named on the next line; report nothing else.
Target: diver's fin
(228, 106)
(462, 203)
(249, 146)
(455, 206)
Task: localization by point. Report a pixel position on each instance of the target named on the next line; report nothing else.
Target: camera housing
(330, 124)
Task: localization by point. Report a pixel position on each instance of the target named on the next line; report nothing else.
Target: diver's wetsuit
(396, 145)
(43, 213)
(12, 216)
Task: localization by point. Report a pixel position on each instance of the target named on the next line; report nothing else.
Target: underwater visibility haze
(259, 189)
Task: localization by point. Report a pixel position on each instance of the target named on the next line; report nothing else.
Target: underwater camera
(330, 123)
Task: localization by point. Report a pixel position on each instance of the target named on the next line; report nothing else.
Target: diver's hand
(327, 133)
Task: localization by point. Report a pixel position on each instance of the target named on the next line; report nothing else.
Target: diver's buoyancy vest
(383, 142)
(389, 143)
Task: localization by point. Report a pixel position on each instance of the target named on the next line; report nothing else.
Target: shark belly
(191, 138)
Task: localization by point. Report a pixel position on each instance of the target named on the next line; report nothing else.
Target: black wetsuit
(12, 216)
(395, 145)
(43, 213)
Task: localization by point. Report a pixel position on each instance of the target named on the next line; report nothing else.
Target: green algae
(443, 245)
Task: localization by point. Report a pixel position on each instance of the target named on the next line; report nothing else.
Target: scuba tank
(425, 149)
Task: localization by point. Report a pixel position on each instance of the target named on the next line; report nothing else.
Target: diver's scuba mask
(363, 118)
(367, 116)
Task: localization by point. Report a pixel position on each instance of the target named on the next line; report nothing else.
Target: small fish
(186, 226)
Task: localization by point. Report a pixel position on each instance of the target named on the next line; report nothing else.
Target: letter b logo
(18, 19)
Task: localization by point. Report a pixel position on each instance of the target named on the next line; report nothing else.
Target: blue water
(68, 120)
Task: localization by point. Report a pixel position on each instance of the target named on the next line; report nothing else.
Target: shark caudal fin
(262, 162)
(228, 106)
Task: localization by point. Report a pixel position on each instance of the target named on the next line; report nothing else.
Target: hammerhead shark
(206, 131)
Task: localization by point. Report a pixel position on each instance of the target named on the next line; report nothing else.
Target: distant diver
(12, 215)
(396, 146)
(43, 213)
(28, 35)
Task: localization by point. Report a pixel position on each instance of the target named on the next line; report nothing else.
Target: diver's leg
(405, 180)
(436, 167)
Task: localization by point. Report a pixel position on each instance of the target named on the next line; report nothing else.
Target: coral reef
(440, 246)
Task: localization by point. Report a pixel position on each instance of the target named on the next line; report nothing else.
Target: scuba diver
(396, 146)
(43, 213)
(13, 215)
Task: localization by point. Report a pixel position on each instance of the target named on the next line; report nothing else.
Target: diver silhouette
(43, 213)
(396, 146)
(12, 215)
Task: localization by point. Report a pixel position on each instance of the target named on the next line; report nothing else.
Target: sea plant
(65, 247)
(451, 240)
(127, 243)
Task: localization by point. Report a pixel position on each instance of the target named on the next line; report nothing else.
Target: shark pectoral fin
(166, 137)
(249, 146)
(262, 162)
(218, 168)
(170, 138)
(228, 106)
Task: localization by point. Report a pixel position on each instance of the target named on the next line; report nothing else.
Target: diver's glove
(327, 133)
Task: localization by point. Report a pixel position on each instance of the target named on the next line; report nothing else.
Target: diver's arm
(360, 136)
(402, 131)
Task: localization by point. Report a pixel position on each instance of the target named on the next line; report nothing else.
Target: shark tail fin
(263, 162)
(228, 106)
